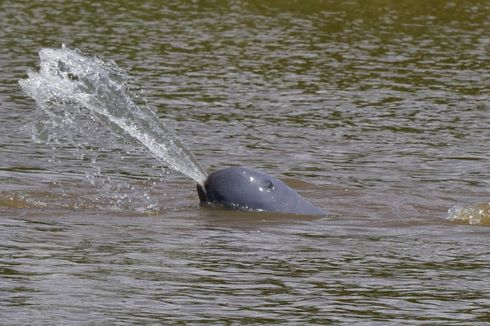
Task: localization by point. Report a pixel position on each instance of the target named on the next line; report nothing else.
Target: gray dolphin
(246, 189)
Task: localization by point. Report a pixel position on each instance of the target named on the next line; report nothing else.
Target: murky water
(377, 111)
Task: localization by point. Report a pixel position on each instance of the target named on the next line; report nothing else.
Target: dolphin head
(243, 188)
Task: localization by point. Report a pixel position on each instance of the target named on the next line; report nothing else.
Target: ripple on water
(381, 107)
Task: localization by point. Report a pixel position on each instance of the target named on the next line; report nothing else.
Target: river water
(377, 111)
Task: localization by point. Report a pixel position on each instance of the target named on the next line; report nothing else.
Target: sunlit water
(376, 111)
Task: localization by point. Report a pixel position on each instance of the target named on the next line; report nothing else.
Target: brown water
(377, 111)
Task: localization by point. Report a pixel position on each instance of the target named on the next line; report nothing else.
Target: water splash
(478, 214)
(71, 88)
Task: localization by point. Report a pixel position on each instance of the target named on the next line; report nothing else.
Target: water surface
(377, 111)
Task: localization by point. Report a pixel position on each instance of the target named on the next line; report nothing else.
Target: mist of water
(70, 89)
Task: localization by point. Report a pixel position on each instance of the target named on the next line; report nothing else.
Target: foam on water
(71, 88)
(478, 214)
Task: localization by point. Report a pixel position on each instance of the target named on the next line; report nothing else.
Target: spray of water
(70, 87)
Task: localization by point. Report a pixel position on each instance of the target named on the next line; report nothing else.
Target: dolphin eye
(269, 185)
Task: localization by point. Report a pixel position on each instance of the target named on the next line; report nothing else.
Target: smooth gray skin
(242, 188)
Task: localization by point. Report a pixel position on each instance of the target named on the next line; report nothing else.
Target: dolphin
(246, 189)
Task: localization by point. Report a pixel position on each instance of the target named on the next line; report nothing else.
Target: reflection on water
(376, 111)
